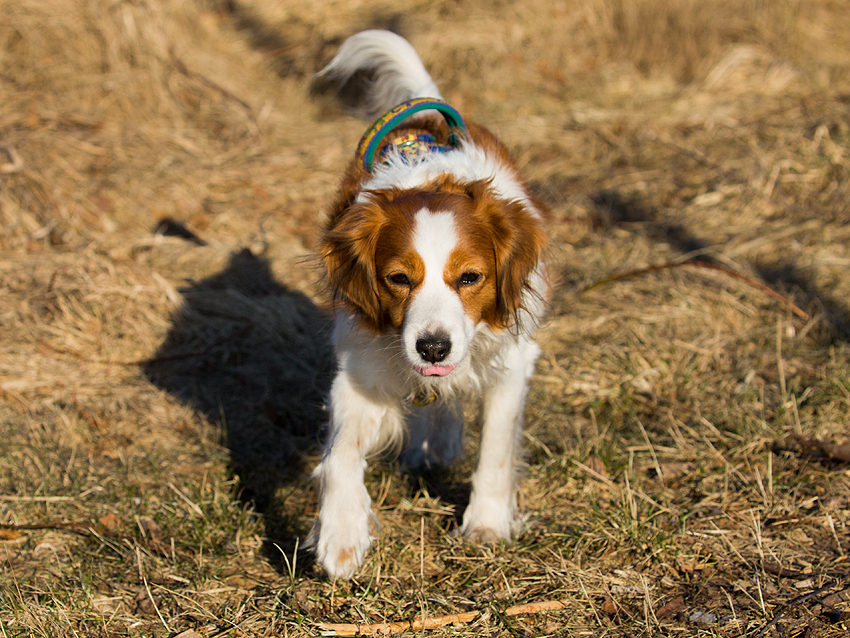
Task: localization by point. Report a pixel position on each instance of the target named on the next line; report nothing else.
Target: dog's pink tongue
(436, 371)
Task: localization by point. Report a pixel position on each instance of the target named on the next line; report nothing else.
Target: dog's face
(433, 264)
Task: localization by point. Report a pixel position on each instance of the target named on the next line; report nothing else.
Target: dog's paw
(341, 545)
(484, 536)
(488, 521)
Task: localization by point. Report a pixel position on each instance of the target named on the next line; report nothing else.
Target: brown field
(164, 169)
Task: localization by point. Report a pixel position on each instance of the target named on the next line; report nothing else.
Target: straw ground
(164, 353)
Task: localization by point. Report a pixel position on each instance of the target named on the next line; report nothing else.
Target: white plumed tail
(399, 74)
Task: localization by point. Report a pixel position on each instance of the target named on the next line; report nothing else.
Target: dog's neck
(411, 141)
(410, 145)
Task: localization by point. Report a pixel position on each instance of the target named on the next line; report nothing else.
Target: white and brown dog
(434, 252)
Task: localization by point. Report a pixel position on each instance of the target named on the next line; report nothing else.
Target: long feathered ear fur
(348, 252)
(518, 244)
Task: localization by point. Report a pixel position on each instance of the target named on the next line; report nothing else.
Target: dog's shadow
(255, 356)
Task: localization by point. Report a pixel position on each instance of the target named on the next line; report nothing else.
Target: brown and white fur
(438, 280)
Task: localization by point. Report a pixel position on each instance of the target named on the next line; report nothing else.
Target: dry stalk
(82, 528)
(799, 600)
(87, 529)
(16, 163)
(184, 70)
(703, 264)
(354, 629)
(833, 451)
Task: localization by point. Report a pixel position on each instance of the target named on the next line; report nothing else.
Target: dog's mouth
(435, 370)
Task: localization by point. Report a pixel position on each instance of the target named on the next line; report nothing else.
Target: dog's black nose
(433, 348)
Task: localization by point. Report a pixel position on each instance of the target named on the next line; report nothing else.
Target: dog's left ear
(348, 251)
(518, 244)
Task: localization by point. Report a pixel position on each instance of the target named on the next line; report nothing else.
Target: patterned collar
(410, 145)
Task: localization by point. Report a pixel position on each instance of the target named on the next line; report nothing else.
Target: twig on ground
(783, 572)
(710, 266)
(799, 600)
(86, 528)
(228, 95)
(353, 629)
(16, 163)
(82, 528)
(832, 451)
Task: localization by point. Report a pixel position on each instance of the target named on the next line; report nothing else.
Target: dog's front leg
(342, 535)
(492, 504)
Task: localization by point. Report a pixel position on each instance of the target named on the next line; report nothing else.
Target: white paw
(488, 521)
(484, 536)
(342, 532)
(342, 543)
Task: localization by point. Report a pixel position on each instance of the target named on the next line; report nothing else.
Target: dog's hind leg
(436, 435)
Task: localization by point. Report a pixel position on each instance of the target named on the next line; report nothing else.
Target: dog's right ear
(348, 251)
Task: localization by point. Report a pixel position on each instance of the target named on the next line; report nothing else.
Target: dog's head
(434, 264)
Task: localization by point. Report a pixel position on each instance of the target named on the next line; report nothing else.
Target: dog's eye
(469, 278)
(399, 279)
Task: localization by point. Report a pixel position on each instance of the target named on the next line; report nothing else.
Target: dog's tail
(390, 66)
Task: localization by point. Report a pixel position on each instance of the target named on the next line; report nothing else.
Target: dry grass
(163, 354)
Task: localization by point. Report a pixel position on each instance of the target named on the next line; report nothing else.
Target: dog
(434, 253)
